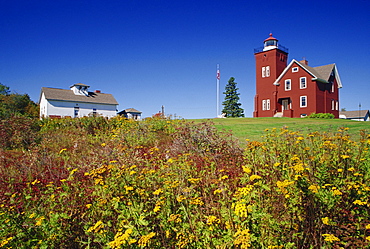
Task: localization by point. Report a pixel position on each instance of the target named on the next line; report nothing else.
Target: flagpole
(218, 89)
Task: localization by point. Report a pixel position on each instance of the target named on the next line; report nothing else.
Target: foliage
(16, 104)
(161, 183)
(321, 115)
(231, 104)
(19, 132)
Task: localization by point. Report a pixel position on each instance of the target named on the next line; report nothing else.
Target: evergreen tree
(231, 106)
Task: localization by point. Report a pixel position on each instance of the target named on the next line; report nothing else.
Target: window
(303, 82)
(94, 111)
(332, 87)
(263, 105)
(263, 72)
(268, 71)
(337, 105)
(288, 85)
(303, 115)
(295, 69)
(268, 104)
(303, 101)
(77, 109)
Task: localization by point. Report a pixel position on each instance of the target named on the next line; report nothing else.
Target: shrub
(321, 115)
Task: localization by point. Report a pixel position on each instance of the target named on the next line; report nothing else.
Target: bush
(321, 115)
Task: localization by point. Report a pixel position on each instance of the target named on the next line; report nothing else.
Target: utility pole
(218, 76)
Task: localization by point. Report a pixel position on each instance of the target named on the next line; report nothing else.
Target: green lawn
(254, 128)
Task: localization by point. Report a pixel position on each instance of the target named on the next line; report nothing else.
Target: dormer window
(80, 89)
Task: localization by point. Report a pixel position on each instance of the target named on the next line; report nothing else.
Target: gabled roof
(132, 110)
(355, 114)
(68, 95)
(321, 73)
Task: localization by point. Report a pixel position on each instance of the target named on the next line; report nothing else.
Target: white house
(131, 113)
(360, 115)
(76, 102)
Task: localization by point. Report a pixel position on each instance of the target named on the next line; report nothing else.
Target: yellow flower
(277, 164)
(344, 156)
(367, 226)
(39, 220)
(325, 220)
(158, 191)
(368, 238)
(224, 177)
(5, 241)
(143, 241)
(243, 238)
(180, 198)
(340, 170)
(217, 191)
(99, 224)
(62, 150)
(32, 215)
(336, 192)
(361, 203)
(88, 205)
(103, 144)
(314, 188)
(351, 169)
(330, 237)
(194, 180)
(254, 177)
(196, 201)
(247, 169)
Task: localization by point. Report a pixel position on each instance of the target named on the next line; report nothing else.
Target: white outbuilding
(76, 102)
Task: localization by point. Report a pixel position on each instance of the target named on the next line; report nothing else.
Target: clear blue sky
(153, 53)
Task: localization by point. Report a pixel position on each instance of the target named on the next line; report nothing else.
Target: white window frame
(288, 87)
(332, 87)
(337, 105)
(268, 104)
(300, 83)
(263, 72)
(267, 71)
(301, 100)
(294, 69)
(263, 105)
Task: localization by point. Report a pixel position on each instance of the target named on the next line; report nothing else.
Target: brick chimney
(97, 91)
(304, 61)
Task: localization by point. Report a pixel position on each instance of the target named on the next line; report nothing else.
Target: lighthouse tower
(271, 60)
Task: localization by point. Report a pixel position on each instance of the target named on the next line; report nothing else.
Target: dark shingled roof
(68, 95)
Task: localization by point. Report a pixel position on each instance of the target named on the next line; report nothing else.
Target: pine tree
(231, 106)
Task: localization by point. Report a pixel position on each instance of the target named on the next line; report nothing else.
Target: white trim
(263, 105)
(300, 82)
(290, 85)
(301, 100)
(267, 71)
(295, 69)
(268, 104)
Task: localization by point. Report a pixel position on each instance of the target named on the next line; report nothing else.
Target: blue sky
(150, 53)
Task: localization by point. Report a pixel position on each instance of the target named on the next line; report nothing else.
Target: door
(285, 104)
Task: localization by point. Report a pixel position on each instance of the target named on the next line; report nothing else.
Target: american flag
(218, 74)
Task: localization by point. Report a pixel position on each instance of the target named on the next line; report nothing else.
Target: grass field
(254, 128)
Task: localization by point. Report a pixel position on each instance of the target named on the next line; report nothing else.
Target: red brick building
(294, 90)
